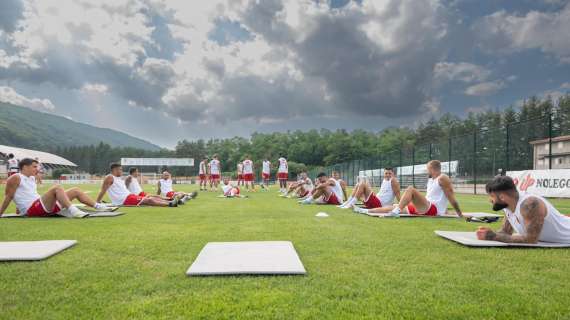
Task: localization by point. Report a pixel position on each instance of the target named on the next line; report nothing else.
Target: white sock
(396, 210)
(351, 201)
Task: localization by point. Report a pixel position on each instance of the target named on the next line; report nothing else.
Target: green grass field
(134, 266)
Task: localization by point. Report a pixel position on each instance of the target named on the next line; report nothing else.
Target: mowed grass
(358, 267)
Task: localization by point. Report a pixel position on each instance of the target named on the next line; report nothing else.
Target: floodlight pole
(550, 140)
(475, 162)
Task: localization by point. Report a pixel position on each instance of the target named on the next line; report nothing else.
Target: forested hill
(26, 128)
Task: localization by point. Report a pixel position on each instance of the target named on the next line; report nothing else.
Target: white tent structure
(50, 161)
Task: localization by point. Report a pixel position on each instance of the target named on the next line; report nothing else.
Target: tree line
(486, 130)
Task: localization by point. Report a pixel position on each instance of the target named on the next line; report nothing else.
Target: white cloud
(95, 88)
(547, 31)
(565, 85)
(485, 88)
(9, 95)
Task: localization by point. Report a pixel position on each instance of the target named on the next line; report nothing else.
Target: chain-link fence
(471, 159)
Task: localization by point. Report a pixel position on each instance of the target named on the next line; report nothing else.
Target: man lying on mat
(21, 187)
(439, 193)
(328, 191)
(389, 189)
(114, 185)
(531, 217)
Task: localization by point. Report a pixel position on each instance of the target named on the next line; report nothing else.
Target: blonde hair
(435, 164)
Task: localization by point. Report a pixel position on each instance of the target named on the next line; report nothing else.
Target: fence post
(401, 147)
(449, 156)
(413, 167)
(475, 162)
(430, 158)
(549, 140)
(507, 154)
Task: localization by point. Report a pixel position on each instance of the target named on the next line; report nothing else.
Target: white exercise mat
(447, 216)
(32, 250)
(250, 257)
(92, 214)
(470, 239)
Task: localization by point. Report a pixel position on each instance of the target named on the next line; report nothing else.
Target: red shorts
(37, 209)
(431, 211)
(133, 200)
(215, 177)
(265, 176)
(142, 194)
(240, 177)
(202, 177)
(282, 176)
(372, 202)
(170, 194)
(248, 177)
(332, 199)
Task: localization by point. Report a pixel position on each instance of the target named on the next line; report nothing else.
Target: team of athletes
(528, 218)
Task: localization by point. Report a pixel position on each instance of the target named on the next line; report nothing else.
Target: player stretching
(114, 185)
(12, 165)
(328, 191)
(283, 175)
(21, 187)
(166, 191)
(389, 190)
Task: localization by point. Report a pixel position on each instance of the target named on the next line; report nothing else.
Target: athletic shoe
(193, 195)
(173, 203)
(395, 213)
(359, 210)
(73, 212)
(307, 201)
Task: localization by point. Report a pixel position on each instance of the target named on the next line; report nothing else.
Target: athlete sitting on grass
(229, 190)
(21, 187)
(115, 186)
(301, 188)
(439, 193)
(328, 191)
(389, 189)
(165, 190)
(531, 217)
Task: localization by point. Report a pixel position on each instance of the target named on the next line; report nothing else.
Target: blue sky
(166, 70)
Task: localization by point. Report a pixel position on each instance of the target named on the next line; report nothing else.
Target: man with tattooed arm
(528, 218)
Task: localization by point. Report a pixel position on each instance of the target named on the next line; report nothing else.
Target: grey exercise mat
(470, 239)
(447, 216)
(32, 250)
(250, 257)
(92, 214)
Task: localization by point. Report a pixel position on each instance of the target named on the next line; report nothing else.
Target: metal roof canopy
(168, 162)
(44, 157)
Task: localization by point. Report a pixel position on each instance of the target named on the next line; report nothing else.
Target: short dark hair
(26, 162)
(321, 174)
(388, 169)
(10, 156)
(501, 184)
(132, 170)
(115, 165)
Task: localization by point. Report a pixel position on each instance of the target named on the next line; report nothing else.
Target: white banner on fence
(418, 169)
(546, 183)
(169, 162)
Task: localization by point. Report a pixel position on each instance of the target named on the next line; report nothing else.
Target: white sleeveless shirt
(337, 190)
(118, 191)
(165, 186)
(134, 186)
(556, 227)
(436, 196)
(26, 193)
(386, 194)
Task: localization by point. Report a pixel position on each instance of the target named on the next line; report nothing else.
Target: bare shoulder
(14, 180)
(533, 205)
